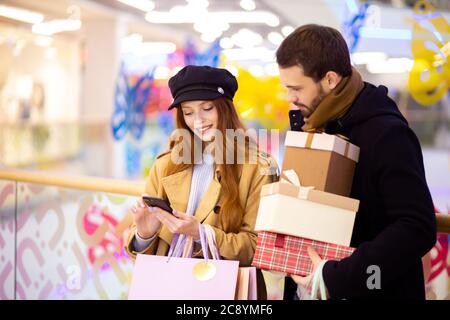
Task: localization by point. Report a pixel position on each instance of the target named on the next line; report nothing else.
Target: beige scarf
(336, 103)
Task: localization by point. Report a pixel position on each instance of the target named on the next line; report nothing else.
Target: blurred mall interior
(83, 114)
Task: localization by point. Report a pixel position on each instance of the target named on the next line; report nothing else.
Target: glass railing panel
(7, 239)
(70, 244)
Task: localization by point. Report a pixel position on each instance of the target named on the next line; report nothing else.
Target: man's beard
(308, 111)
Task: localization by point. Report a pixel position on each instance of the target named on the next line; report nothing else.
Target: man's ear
(331, 80)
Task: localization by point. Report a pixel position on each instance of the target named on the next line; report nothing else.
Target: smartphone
(157, 202)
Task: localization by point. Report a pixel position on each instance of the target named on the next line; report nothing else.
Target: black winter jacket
(395, 225)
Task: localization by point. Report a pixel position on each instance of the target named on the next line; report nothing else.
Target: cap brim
(195, 95)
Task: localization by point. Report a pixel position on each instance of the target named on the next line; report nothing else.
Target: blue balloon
(352, 27)
(210, 57)
(190, 53)
(133, 160)
(129, 105)
(121, 103)
(165, 122)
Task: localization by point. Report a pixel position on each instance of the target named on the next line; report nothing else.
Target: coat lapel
(176, 187)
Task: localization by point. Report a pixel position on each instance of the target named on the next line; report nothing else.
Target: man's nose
(292, 98)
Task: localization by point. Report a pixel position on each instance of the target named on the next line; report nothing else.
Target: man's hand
(306, 281)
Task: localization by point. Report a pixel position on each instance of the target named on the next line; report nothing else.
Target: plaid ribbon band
(290, 254)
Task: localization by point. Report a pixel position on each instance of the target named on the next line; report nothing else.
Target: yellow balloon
(262, 100)
(429, 79)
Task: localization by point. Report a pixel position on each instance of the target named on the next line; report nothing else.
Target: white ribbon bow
(293, 178)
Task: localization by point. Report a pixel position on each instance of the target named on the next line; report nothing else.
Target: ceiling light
(21, 14)
(180, 15)
(194, 8)
(207, 26)
(248, 5)
(157, 47)
(385, 33)
(133, 44)
(246, 38)
(55, 26)
(275, 38)
(250, 17)
(209, 37)
(391, 65)
(367, 57)
(256, 53)
(226, 43)
(287, 30)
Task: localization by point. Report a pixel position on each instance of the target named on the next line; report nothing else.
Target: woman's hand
(179, 222)
(145, 219)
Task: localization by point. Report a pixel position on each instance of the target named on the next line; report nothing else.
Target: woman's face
(201, 117)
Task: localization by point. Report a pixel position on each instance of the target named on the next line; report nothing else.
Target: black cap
(201, 83)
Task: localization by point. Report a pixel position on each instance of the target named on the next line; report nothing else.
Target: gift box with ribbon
(288, 254)
(324, 161)
(288, 208)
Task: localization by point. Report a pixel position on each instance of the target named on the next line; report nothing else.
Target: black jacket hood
(371, 102)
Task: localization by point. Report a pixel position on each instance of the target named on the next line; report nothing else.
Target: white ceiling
(293, 12)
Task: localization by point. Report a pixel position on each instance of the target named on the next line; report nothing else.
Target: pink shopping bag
(156, 278)
(178, 278)
(246, 284)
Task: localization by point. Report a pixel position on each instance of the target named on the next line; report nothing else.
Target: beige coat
(232, 246)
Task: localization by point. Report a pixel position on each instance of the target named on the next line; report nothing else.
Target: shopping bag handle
(181, 245)
(318, 284)
(203, 241)
(176, 246)
(211, 239)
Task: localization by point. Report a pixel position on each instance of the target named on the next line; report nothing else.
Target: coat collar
(177, 188)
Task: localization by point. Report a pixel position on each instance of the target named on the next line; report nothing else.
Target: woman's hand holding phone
(179, 222)
(146, 221)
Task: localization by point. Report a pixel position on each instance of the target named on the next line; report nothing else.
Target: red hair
(231, 211)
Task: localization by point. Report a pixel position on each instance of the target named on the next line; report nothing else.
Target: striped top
(202, 175)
